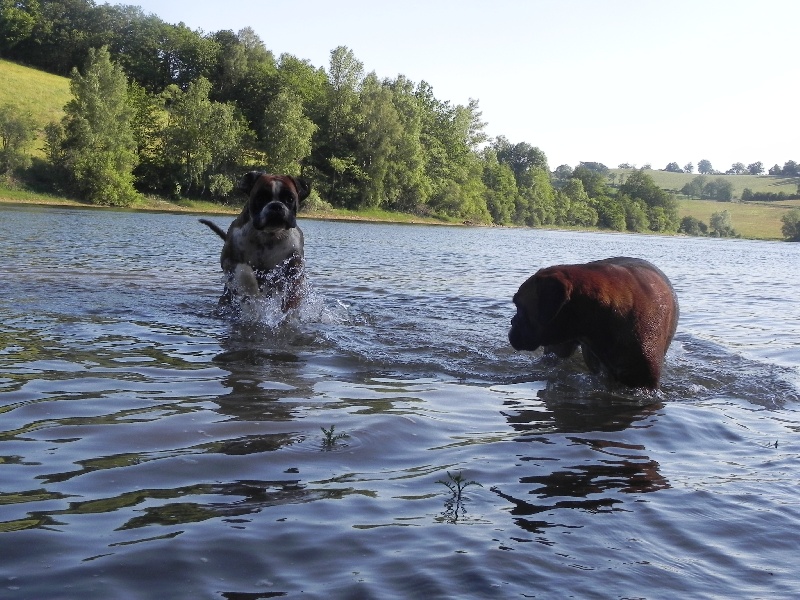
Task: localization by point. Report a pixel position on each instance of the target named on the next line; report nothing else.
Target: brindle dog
(263, 250)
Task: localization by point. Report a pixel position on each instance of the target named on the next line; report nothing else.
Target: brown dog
(621, 311)
(263, 250)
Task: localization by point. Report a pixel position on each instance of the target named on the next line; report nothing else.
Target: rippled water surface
(150, 447)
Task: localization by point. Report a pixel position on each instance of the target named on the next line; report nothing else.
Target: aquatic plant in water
(330, 439)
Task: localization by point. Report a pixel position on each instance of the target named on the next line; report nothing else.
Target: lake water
(151, 448)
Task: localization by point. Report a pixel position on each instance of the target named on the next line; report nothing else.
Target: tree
(99, 147)
(692, 226)
(522, 158)
(736, 169)
(640, 186)
(695, 188)
(594, 166)
(576, 207)
(720, 224)
(17, 20)
(790, 169)
(756, 168)
(791, 225)
(688, 168)
(610, 214)
(286, 134)
(719, 189)
(704, 167)
(562, 174)
(673, 168)
(16, 130)
(203, 139)
(501, 188)
(337, 162)
(594, 182)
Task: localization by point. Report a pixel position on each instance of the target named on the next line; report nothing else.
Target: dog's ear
(553, 291)
(303, 188)
(248, 180)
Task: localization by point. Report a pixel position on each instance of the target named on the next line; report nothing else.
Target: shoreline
(205, 208)
(209, 208)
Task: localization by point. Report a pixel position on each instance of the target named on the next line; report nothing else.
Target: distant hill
(674, 182)
(41, 94)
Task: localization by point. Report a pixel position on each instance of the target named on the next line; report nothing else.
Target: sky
(614, 81)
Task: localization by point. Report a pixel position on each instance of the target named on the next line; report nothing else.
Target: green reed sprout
(330, 439)
(457, 484)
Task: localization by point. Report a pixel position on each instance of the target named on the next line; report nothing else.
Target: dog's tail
(215, 228)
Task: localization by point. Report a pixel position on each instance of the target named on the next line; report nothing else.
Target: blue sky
(637, 81)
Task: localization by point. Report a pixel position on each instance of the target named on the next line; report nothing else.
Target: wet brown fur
(622, 311)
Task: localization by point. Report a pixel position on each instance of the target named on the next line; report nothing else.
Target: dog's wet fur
(263, 249)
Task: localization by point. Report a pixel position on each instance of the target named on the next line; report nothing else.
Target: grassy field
(757, 183)
(40, 94)
(753, 220)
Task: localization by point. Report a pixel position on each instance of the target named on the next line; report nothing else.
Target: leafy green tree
(99, 146)
(704, 167)
(148, 122)
(450, 138)
(721, 226)
(407, 184)
(377, 134)
(635, 213)
(688, 168)
(692, 226)
(673, 168)
(501, 188)
(756, 168)
(522, 158)
(790, 169)
(718, 189)
(287, 134)
(204, 140)
(791, 225)
(17, 20)
(536, 203)
(695, 188)
(598, 167)
(594, 182)
(610, 213)
(736, 169)
(640, 186)
(562, 175)
(576, 207)
(338, 162)
(16, 130)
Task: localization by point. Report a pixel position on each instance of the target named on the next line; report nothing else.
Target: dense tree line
(160, 108)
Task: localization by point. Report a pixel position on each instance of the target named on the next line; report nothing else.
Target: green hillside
(674, 182)
(35, 92)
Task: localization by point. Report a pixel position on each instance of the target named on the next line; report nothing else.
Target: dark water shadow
(573, 457)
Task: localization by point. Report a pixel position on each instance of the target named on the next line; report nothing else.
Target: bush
(692, 226)
(791, 225)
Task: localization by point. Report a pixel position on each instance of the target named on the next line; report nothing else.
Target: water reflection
(573, 470)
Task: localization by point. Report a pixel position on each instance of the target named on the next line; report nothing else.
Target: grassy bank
(155, 204)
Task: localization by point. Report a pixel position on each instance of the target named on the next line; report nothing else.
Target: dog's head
(274, 199)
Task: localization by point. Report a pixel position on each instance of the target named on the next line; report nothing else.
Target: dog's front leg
(244, 282)
(294, 274)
